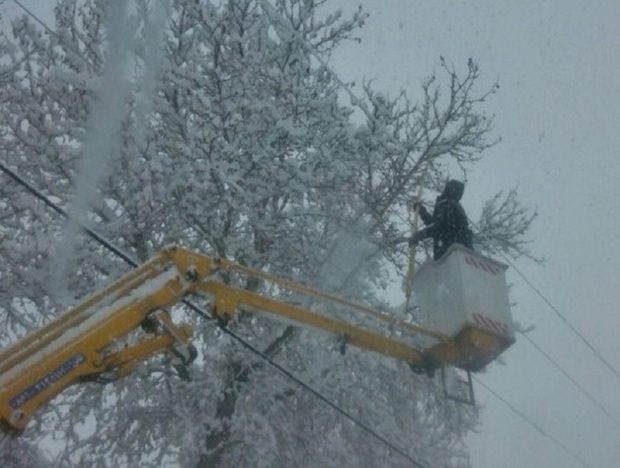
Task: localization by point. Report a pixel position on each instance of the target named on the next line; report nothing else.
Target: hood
(453, 190)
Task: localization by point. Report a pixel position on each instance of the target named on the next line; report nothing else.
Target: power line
(560, 315)
(525, 418)
(564, 319)
(550, 359)
(203, 314)
(93, 234)
(324, 399)
(572, 380)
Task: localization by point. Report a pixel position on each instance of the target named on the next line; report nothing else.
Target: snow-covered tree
(219, 126)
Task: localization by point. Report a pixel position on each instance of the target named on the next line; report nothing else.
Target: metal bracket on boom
(457, 385)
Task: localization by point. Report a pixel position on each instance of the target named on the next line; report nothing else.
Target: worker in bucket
(448, 223)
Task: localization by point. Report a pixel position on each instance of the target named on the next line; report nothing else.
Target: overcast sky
(557, 111)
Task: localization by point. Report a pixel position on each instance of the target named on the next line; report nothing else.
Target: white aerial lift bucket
(464, 295)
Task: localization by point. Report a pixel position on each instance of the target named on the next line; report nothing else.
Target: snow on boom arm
(90, 342)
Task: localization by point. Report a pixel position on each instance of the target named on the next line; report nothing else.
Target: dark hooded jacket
(448, 223)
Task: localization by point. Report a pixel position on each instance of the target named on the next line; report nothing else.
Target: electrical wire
(572, 380)
(93, 234)
(565, 320)
(525, 418)
(324, 399)
(554, 362)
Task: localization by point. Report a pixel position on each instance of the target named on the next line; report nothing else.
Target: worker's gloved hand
(417, 237)
(417, 206)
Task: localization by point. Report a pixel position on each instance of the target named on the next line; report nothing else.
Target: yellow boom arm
(106, 335)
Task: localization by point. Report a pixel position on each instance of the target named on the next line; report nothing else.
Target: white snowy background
(557, 112)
